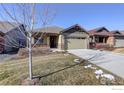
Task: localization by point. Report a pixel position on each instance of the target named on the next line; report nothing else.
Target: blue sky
(91, 15)
(88, 16)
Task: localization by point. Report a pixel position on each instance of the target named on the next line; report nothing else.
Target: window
(38, 41)
(101, 39)
(22, 43)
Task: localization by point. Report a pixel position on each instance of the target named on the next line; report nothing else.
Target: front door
(53, 41)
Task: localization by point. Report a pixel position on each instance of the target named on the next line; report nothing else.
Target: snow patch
(66, 54)
(108, 76)
(76, 60)
(98, 72)
(97, 76)
(88, 66)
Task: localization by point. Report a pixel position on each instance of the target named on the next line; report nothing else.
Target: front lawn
(54, 69)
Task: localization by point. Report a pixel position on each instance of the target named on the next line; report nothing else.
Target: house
(74, 37)
(117, 38)
(14, 36)
(1, 42)
(101, 38)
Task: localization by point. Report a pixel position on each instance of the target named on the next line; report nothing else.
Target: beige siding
(78, 34)
(46, 41)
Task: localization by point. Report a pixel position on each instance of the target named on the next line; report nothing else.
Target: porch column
(93, 39)
(97, 39)
(104, 40)
(48, 41)
(61, 42)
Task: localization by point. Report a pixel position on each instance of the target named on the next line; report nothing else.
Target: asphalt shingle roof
(51, 29)
(97, 31)
(7, 26)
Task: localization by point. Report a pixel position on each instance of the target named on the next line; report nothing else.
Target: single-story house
(117, 38)
(102, 37)
(13, 38)
(74, 37)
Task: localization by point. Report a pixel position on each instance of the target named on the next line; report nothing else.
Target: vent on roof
(77, 28)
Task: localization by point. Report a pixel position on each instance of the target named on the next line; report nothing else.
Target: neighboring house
(102, 37)
(118, 38)
(74, 37)
(14, 36)
(1, 42)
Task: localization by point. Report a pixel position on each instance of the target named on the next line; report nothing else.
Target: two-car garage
(77, 43)
(119, 41)
(75, 38)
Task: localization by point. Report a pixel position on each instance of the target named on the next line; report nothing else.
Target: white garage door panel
(119, 42)
(76, 43)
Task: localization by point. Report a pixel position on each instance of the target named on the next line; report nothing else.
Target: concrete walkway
(112, 62)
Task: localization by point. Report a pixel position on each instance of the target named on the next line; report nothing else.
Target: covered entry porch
(45, 40)
(99, 41)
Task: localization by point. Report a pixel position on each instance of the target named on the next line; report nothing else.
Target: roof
(7, 26)
(51, 29)
(76, 25)
(117, 33)
(99, 31)
(56, 29)
(102, 31)
(122, 32)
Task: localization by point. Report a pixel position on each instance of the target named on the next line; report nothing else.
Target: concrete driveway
(112, 62)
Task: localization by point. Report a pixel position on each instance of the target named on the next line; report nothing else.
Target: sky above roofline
(89, 16)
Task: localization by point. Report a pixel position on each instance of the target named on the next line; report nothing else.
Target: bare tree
(30, 16)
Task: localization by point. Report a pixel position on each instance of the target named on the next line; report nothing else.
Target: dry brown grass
(13, 72)
(23, 52)
(119, 50)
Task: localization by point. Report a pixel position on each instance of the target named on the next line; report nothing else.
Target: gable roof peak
(98, 29)
(73, 27)
(116, 32)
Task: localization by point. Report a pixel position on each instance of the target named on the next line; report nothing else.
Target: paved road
(113, 62)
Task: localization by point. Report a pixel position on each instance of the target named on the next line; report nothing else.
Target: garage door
(119, 42)
(74, 43)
